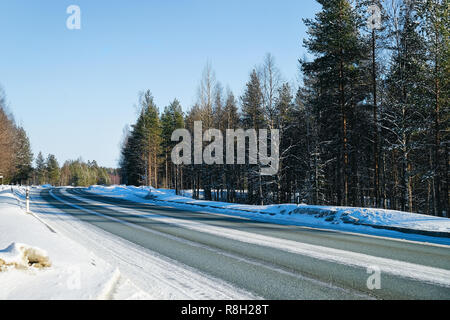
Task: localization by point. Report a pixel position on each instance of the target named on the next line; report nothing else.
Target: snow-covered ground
(87, 262)
(381, 222)
(399, 268)
(49, 254)
(37, 262)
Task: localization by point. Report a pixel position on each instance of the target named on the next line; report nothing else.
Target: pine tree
(6, 140)
(7, 158)
(252, 109)
(15, 150)
(151, 135)
(53, 170)
(307, 163)
(253, 118)
(171, 119)
(141, 149)
(194, 171)
(216, 171)
(231, 114)
(133, 166)
(285, 123)
(435, 25)
(406, 105)
(232, 172)
(376, 37)
(23, 157)
(41, 173)
(335, 40)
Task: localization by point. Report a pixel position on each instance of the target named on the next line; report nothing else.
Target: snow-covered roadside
(400, 268)
(37, 262)
(377, 222)
(158, 277)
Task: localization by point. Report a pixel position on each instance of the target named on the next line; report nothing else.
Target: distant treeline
(15, 150)
(16, 161)
(72, 173)
(367, 126)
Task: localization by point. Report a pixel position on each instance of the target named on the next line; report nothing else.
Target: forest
(15, 150)
(367, 125)
(16, 160)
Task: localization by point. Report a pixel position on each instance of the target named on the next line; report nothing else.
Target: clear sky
(75, 90)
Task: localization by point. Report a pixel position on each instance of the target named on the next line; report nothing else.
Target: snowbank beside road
(38, 263)
(19, 255)
(373, 221)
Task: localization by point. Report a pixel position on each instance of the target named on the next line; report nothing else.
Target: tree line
(368, 125)
(15, 150)
(72, 173)
(16, 160)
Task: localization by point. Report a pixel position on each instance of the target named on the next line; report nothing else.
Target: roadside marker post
(28, 200)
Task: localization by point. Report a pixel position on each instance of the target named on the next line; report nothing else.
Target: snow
(391, 266)
(19, 255)
(160, 277)
(130, 271)
(36, 262)
(49, 254)
(362, 220)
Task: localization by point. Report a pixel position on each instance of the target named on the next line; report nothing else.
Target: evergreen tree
(253, 118)
(23, 157)
(171, 119)
(6, 141)
(285, 122)
(151, 137)
(194, 171)
(81, 174)
(406, 105)
(310, 176)
(53, 170)
(252, 109)
(141, 149)
(41, 172)
(435, 25)
(375, 14)
(232, 172)
(335, 40)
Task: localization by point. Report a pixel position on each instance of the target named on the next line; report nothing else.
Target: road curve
(268, 271)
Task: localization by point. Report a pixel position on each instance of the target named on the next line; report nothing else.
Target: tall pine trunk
(376, 178)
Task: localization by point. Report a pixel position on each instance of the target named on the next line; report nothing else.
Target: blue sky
(75, 90)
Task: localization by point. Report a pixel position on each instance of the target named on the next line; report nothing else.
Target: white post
(28, 200)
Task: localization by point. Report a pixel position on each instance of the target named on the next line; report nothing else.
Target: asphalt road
(266, 271)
